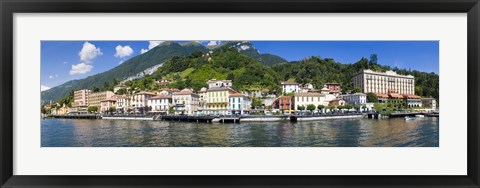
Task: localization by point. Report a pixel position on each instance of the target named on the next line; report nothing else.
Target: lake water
(395, 132)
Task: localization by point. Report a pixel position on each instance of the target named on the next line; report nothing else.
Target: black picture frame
(9, 7)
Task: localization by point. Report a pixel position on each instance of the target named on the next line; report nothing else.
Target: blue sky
(62, 61)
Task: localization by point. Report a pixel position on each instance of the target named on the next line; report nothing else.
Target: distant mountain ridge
(137, 66)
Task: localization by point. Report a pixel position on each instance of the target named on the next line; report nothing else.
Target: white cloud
(53, 76)
(89, 52)
(154, 43)
(65, 62)
(44, 88)
(151, 44)
(123, 51)
(213, 43)
(80, 68)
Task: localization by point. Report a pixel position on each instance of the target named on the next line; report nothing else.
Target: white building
(140, 100)
(106, 104)
(355, 99)
(290, 87)
(219, 83)
(185, 102)
(239, 103)
(305, 99)
(160, 103)
(383, 82)
(124, 103)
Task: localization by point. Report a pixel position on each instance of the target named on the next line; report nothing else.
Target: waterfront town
(374, 91)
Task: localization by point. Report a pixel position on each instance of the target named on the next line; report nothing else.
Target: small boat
(419, 115)
(407, 118)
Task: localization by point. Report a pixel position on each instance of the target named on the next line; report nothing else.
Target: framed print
(256, 94)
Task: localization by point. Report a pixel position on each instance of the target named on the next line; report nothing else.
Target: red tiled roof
(394, 95)
(236, 95)
(381, 95)
(109, 99)
(410, 96)
(145, 93)
(161, 97)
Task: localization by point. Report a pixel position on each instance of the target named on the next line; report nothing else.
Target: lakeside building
(160, 103)
(355, 99)
(239, 103)
(219, 83)
(381, 82)
(140, 100)
(96, 97)
(283, 104)
(217, 100)
(124, 103)
(185, 102)
(106, 104)
(80, 98)
(304, 99)
(337, 102)
(333, 88)
(412, 101)
(429, 103)
(306, 88)
(290, 87)
(167, 91)
(202, 104)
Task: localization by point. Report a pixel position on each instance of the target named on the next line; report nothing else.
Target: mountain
(248, 49)
(130, 67)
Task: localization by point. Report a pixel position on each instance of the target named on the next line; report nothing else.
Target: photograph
(237, 93)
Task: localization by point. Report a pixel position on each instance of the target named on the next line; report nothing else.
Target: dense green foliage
(319, 71)
(246, 73)
(371, 97)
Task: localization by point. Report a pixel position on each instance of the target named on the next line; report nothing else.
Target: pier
(326, 116)
(207, 119)
(81, 116)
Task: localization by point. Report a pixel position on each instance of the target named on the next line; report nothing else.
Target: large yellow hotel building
(383, 82)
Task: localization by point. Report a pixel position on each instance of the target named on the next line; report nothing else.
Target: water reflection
(336, 133)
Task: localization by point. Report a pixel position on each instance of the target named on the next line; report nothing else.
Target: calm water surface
(421, 132)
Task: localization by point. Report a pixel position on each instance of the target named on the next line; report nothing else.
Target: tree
(364, 107)
(106, 86)
(379, 107)
(371, 97)
(95, 89)
(112, 109)
(330, 107)
(357, 90)
(256, 103)
(92, 109)
(171, 110)
(301, 107)
(115, 82)
(348, 106)
(357, 108)
(311, 107)
(320, 107)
